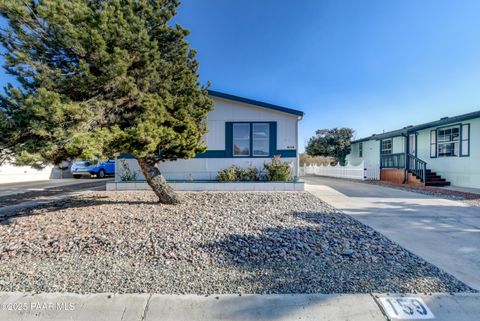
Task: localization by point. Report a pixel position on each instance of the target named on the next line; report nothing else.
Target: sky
(370, 65)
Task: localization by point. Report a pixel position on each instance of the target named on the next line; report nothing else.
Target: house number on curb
(406, 308)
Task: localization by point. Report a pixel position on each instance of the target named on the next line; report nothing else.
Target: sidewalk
(137, 307)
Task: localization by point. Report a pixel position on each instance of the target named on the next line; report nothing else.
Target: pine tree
(100, 78)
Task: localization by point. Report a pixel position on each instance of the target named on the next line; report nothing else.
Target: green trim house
(438, 153)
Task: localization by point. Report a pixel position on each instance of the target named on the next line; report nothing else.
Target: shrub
(127, 174)
(277, 170)
(252, 173)
(231, 174)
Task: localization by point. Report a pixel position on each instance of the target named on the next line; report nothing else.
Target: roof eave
(295, 112)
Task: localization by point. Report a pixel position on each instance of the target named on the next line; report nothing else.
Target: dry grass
(317, 160)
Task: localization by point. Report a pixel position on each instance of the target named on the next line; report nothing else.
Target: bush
(277, 170)
(231, 174)
(252, 173)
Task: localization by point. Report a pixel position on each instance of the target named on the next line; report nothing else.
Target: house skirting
(212, 186)
(392, 175)
(414, 181)
(397, 176)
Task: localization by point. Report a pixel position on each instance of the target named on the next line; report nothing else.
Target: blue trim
(273, 137)
(256, 103)
(228, 139)
(416, 145)
(125, 156)
(286, 152)
(222, 154)
(212, 154)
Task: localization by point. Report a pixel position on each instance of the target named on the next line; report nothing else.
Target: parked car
(88, 168)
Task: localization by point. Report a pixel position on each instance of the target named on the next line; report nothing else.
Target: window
(465, 150)
(360, 150)
(241, 139)
(448, 142)
(261, 139)
(386, 147)
(251, 139)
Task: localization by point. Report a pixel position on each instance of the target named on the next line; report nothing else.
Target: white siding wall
(398, 144)
(460, 171)
(228, 111)
(371, 153)
(196, 168)
(215, 138)
(13, 174)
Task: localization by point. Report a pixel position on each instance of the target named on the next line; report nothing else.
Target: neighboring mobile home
(241, 132)
(438, 153)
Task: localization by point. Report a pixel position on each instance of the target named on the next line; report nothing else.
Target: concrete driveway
(443, 232)
(58, 184)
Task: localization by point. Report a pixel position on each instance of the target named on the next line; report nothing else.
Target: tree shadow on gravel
(329, 254)
(83, 202)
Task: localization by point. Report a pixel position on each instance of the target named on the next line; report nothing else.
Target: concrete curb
(15, 306)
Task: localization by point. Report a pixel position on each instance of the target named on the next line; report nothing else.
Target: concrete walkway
(139, 307)
(444, 232)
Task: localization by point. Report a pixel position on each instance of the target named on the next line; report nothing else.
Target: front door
(412, 149)
(412, 144)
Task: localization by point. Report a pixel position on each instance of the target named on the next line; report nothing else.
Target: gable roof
(411, 129)
(218, 94)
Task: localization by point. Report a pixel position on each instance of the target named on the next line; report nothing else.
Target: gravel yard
(215, 242)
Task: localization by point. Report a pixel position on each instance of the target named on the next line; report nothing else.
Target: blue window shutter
(228, 139)
(273, 138)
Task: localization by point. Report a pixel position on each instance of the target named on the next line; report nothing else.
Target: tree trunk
(159, 185)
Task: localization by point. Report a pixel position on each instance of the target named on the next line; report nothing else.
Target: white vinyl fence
(362, 171)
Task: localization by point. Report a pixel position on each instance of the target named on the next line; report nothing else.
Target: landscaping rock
(214, 242)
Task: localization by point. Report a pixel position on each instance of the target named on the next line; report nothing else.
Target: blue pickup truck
(93, 168)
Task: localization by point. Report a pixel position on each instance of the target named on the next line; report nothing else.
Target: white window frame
(262, 139)
(242, 139)
(455, 142)
(390, 149)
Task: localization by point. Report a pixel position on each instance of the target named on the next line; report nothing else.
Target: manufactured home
(438, 153)
(241, 132)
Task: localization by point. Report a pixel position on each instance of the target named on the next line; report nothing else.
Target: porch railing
(412, 164)
(417, 166)
(392, 160)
